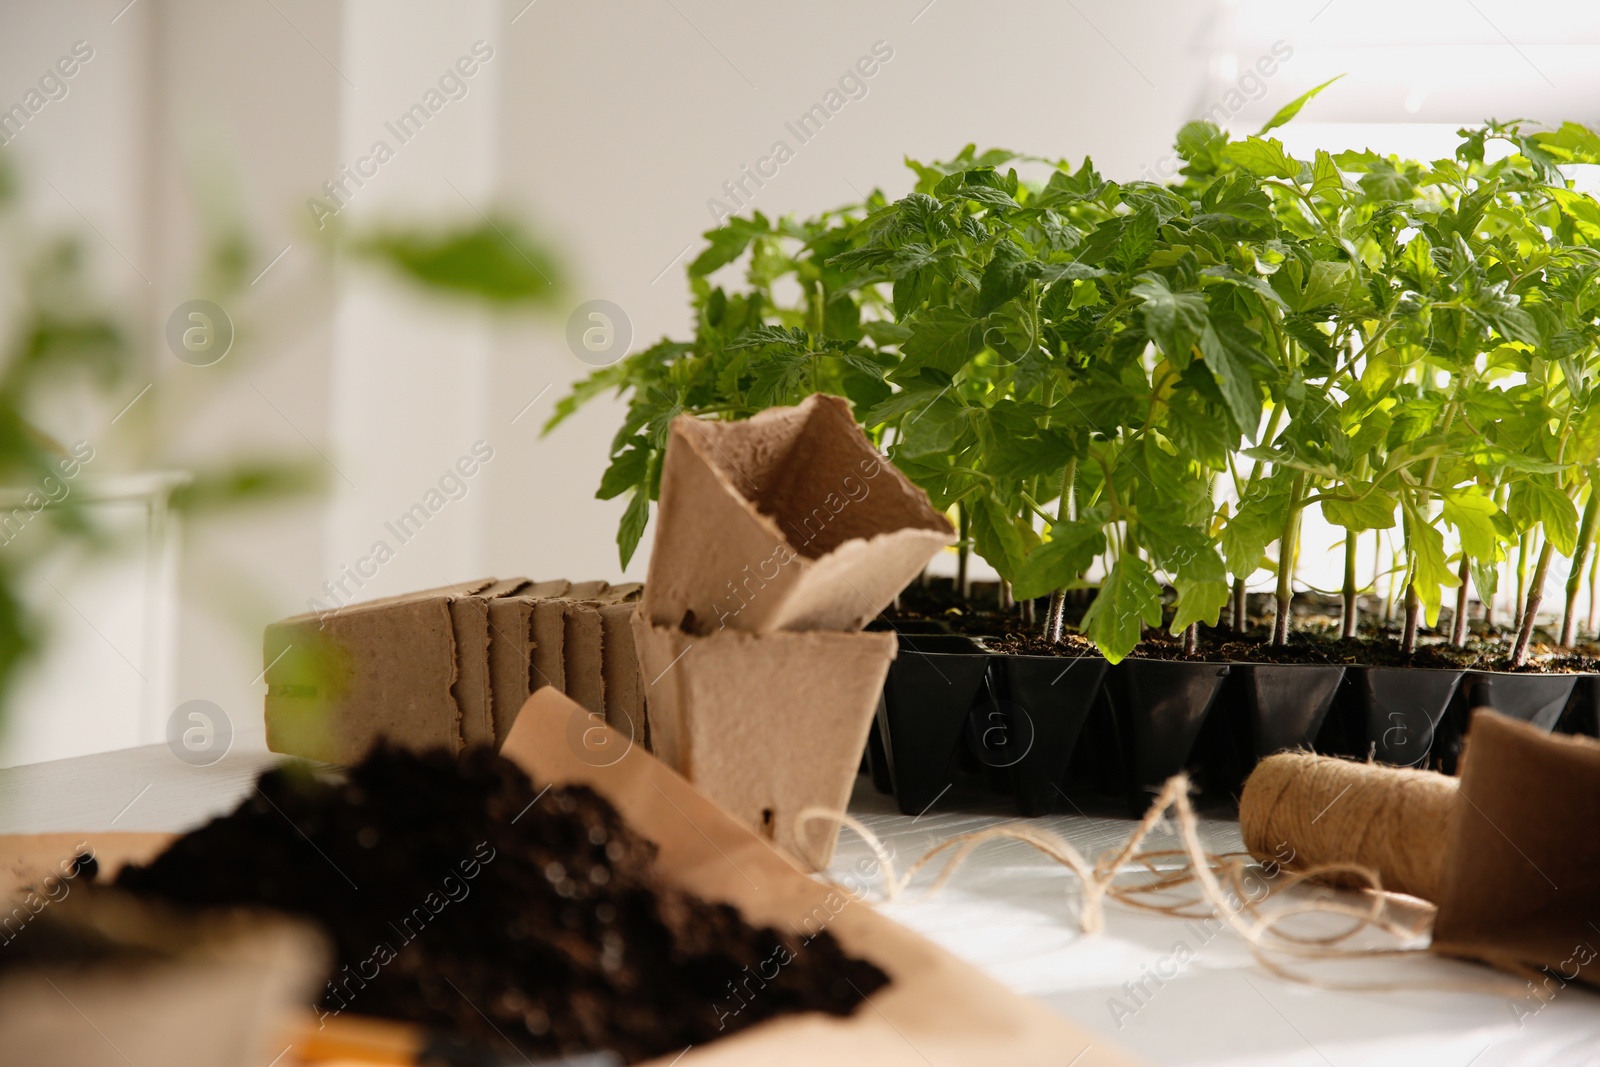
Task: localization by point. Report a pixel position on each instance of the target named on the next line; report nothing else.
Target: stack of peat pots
(778, 539)
(1050, 728)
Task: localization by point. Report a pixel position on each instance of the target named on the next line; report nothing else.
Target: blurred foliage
(498, 262)
(59, 336)
(249, 481)
(67, 347)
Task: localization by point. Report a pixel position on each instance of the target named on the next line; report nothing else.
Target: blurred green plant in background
(496, 262)
(57, 336)
(70, 347)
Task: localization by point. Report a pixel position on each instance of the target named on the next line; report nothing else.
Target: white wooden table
(1011, 912)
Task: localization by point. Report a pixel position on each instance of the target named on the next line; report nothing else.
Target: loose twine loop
(1214, 875)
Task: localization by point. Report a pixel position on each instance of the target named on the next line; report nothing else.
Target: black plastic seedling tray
(1540, 700)
(1158, 709)
(1047, 700)
(934, 684)
(1044, 727)
(1404, 712)
(1264, 708)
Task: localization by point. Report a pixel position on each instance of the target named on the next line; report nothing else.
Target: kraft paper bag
(788, 520)
(27, 860)
(766, 725)
(936, 1010)
(1521, 880)
(217, 989)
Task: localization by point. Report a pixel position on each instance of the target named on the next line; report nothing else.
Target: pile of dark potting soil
(461, 897)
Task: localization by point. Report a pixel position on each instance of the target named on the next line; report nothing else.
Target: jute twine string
(1220, 881)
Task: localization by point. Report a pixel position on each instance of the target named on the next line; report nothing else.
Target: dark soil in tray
(460, 897)
(1223, 646)
(935, 608)
(1478, 654)
(1031, 644)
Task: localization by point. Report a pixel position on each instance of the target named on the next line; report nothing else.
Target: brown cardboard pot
(1521, 876)
(340, 680)
(447, 668)
(766, 725)
(788, 520)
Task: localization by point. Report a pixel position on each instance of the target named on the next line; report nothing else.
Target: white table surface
(1010, 911)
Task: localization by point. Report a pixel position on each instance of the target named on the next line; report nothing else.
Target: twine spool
(1304, 811)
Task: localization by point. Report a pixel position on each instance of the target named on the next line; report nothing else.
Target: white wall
(622, 120)
(183, 104)
(410, 388)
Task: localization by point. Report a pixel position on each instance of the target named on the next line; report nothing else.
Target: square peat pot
(1264, 708)
(1043, 704)
(788, 520)
(1404, 710)
(1158, 709)
(1536, 699)
(932, 687)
